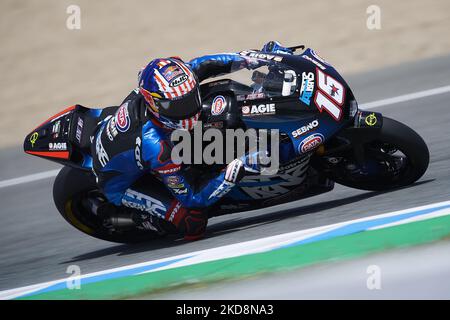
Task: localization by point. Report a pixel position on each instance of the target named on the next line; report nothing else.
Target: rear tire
(70, 187)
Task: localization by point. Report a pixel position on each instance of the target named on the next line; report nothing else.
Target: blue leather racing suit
(131, 144)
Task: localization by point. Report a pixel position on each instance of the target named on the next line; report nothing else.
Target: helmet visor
(182, 108)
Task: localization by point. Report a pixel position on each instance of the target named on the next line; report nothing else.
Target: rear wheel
(397, 157)
(71, 189)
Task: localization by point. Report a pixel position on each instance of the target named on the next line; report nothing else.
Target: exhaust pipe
(113, 216)
(122, 220)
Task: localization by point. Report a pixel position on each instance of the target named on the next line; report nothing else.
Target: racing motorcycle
(301, 95)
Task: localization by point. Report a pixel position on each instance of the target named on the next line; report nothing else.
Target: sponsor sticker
(216, 125)
(264, 56)
(246, 110)
(175, 182)
(313, 125)
(80, 124)
(56, 129)
(261, 109)
(102, 156)
(307, 87)
(122, 118)
(111, 130)
(180, 191)
(218, 105)
(317, 63)
(371, 120)
(251, 96)
(56, 126)
(137, 153)
(174, 211)
(143, 202)
(311, 142)
(171, 72)
(169, 170)
(33, 138)
(178, 80)
(57, 146)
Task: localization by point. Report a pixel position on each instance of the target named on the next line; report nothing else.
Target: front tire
(397, 136)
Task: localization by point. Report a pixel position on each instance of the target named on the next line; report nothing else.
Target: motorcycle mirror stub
(289, 83)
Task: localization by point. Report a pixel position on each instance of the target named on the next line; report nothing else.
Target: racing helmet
(172, 93)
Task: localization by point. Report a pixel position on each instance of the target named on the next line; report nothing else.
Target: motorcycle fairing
(65, 137)
(291, 114)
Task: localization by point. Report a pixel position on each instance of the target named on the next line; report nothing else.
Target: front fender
(366, 127)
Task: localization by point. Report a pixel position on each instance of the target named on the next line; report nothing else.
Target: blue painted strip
(362, 226)
(113, 275)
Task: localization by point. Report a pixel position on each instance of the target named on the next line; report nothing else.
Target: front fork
(366, 128)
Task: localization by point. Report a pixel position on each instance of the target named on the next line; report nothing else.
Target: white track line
(369, 105)
(405, 97)
(29, 178)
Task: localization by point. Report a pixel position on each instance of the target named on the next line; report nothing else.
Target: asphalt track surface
(37, 245)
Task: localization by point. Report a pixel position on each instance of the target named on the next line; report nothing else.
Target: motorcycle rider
(136, 140)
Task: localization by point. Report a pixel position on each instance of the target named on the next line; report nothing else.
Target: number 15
(330, 95)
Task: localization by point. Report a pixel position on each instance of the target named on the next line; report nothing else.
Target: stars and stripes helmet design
(172, 93)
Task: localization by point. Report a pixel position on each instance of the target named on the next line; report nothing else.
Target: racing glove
(259, 163)
(276, 47)
(235, 171)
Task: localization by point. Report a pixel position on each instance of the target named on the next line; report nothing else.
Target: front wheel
(396, 157)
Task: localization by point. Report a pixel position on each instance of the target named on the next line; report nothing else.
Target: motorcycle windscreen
(265, 74)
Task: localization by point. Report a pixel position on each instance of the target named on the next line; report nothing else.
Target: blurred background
(45, 66)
